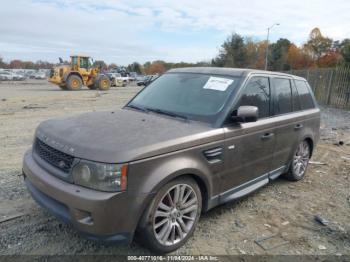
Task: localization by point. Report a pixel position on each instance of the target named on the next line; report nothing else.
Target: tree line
(243, 52)
(318, 51)
(19, 64)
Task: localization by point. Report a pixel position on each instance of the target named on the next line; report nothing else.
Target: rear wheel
(74, 82)
(172, 216)
(103, 83)
(300, 162)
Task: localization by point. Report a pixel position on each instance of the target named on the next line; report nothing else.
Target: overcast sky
(123, 31)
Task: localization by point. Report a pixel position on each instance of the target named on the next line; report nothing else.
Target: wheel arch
(195, 175)
(73, 73)
(310, 141)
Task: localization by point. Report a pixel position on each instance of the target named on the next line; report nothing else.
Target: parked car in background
(139, 78)
(117, 79)
(40, 75)
(8, 76)
(31, 75)
(147, 80)
(132, 76)
(4, 76)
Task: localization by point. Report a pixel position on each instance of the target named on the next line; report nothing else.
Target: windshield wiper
(164, 112)
(138, 108)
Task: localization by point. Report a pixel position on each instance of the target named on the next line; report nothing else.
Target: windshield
(192, 95)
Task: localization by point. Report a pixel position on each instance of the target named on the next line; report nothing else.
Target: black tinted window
(305, 97)
(84, 62)
(283, 96)
(257, 93)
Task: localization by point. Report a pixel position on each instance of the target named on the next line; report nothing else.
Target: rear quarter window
(305, 98)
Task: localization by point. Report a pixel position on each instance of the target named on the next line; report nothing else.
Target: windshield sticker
(218, 83)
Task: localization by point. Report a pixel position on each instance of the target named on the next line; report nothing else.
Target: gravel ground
(282, 209)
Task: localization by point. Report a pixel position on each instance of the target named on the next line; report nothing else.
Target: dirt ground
(283, 212)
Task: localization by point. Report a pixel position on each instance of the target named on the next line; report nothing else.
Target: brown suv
(191, 140)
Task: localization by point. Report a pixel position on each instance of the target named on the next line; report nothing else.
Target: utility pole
(267, 44)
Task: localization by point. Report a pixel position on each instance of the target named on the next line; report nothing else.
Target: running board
(250, 186)
(277, 172)
(244, 189)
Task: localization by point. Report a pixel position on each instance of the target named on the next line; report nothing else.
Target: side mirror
(247, 114)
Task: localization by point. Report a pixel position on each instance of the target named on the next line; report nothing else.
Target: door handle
(267, 136)
(298, 126)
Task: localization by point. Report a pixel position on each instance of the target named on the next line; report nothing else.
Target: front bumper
(102, 216)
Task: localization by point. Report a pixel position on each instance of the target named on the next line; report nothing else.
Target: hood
(123, 135)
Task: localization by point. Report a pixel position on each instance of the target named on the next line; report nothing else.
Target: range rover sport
(193, 139)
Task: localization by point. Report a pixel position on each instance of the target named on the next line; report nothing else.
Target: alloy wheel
(175, 214)
(301, 159)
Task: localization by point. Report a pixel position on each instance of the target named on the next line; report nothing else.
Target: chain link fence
(331, 86)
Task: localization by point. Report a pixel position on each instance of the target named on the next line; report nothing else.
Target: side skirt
(246, 188)
(277, 172)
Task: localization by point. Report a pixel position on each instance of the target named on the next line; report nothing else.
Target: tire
(74, 83)
(164, 226)
(103, 83)
(299, 163)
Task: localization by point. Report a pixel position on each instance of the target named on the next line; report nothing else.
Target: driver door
(249, 146)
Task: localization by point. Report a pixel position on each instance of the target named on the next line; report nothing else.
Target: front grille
(53, 156)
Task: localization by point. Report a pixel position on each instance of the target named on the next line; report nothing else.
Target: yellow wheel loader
(78, 73)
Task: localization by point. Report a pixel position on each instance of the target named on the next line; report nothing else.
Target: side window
(283, 96)
(257, 93)
(305, 97)
(84, 62)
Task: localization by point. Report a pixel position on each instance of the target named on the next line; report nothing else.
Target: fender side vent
(214, 155)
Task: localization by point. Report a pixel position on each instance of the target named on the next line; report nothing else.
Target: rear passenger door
(287, 124)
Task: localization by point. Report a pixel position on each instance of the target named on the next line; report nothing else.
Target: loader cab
(84, 62)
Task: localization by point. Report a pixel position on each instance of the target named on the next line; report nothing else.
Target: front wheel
(172, 216)
(299, 162)
(74, 82)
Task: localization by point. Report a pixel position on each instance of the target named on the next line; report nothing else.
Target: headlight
(100, 176)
